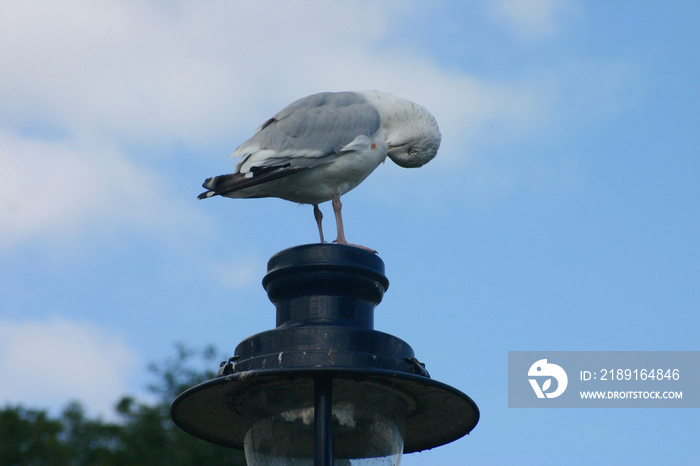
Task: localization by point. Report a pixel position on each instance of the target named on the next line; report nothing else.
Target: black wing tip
(206, 195)
(210, 185)
(224, 184)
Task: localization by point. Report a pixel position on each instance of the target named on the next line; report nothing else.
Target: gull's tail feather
(221, 184)
(206, 195)
(225, 184)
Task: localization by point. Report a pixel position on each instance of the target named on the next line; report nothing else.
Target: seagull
(323, 145)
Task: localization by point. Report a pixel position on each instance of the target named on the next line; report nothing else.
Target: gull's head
(413, 137)
(410, 131)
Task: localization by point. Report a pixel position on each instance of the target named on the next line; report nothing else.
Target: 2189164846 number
(640, 374)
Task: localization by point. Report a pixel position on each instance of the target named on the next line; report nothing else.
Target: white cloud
(55, 189)
(146, 71)
(149, 70)
(534, 19)
(48, 363)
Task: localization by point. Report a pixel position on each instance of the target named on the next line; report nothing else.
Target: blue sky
(562, 211)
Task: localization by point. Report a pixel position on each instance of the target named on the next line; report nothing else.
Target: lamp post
(324, 387)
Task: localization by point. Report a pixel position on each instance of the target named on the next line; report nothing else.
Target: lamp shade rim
(222, 409)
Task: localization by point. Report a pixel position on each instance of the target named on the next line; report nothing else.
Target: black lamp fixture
(324, 387)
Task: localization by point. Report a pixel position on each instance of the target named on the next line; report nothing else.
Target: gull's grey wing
(308, 130)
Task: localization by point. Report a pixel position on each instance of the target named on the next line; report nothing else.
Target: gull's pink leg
(319, 217)
(337, 206)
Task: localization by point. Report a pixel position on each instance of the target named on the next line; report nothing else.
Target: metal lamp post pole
(323, 418)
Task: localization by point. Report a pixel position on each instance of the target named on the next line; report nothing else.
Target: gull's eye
(412, 152)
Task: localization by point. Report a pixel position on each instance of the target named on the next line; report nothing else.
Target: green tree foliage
(144, 435)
